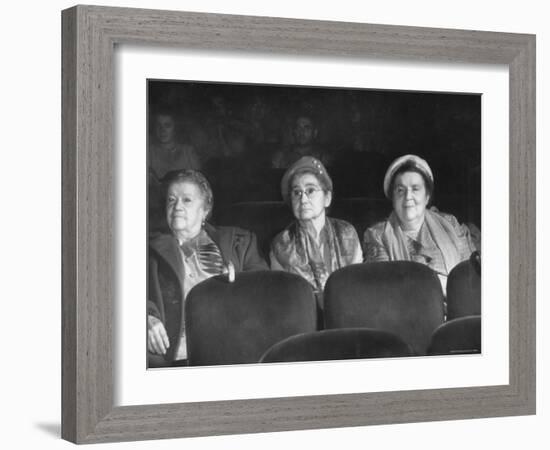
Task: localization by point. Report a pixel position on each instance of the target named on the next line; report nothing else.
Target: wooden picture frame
(89, 35)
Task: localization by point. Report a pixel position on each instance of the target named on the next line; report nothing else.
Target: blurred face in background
(410, 199)
(165, 128)
(304, 131)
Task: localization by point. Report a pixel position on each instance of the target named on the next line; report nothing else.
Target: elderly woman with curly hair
(193, 251)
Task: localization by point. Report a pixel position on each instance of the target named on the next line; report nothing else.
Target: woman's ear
(205, 214)
(328, 198)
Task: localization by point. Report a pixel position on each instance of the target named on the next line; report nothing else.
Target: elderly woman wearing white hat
(414, 232)
(314, 245)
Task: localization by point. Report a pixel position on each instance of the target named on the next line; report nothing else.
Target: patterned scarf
(442, 232)
(318, 253)
(298, 252)
(208, 253)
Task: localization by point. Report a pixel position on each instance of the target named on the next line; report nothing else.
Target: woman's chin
(306, 215)
(178, 225)
(408, 219)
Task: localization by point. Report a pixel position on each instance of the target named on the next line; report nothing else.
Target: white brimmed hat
(413, 160)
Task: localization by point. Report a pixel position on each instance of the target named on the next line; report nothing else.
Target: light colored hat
(415, 161)
(305, 162)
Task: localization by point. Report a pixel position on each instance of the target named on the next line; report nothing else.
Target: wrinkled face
(410, 197)
(165, 128)
(304, 131)
(308, 198)
(185, 208)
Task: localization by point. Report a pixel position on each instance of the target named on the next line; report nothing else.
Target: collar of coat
(167, 247)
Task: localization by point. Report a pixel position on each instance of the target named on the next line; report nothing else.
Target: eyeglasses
(309, 192)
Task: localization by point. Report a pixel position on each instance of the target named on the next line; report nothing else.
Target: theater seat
(361, 212)
(401, 297)
(267, 218)
(343, 343)
(463, 291)
(264, 219)
(231, 323)
(457, 336)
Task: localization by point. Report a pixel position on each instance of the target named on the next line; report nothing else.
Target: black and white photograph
(306, 223)
(264, 225)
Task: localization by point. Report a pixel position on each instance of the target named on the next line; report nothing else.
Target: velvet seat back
(230, 323)
(264, 219)
(462, 335)
(401, 297)
(344, 343)
(463, 291)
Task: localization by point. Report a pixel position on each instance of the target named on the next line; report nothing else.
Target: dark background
(236, 128)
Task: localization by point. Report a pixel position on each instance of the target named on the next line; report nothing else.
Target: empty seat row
(361, 212)
(236, 322)
(343, 343)
(458, 336)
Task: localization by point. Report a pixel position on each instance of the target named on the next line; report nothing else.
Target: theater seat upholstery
(264, 219)
(267, 218)
(344, 343)
(231, 323)
(463, 291)
(401, 297)
(462, 335)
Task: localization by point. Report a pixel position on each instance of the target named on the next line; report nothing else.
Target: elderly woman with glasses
(314, 245)
(193, 251)
(413, 231)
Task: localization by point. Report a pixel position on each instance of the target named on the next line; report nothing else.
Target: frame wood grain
(89, 35)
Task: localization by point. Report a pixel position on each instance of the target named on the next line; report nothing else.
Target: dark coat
(165, 284)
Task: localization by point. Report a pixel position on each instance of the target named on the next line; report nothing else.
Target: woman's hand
(157, 338)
